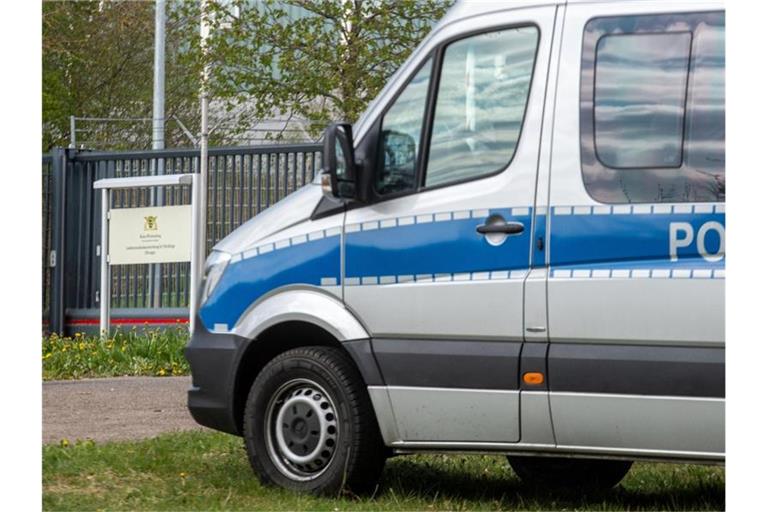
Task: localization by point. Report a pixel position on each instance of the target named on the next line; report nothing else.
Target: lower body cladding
(598, 400)
(213, 358)
(448, 390)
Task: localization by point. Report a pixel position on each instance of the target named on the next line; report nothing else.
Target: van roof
(468, 8)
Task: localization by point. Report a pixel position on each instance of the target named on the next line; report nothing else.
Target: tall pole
(194, 257)
(72, 136)
(158, 103)
(158, 122)
(203, 182)
(105, 289)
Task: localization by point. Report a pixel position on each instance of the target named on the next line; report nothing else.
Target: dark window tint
(481, 100)
(653, 108)
(400, 136)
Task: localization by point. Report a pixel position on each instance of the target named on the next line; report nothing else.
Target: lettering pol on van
(681, 235)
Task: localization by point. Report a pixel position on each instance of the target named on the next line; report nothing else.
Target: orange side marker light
(533, 378)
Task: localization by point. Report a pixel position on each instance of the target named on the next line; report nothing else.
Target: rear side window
(632, 127)
(653, 108)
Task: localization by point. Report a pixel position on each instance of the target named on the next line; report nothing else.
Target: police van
(519, 248)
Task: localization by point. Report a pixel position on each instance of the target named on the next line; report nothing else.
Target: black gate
(241, 183)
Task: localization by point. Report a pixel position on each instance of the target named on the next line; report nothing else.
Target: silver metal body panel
(623, 426)
(648, 311)
(441, 414)
(535, 419)
(442, 310)
(648, 423)
(536, 321)
(385, 416)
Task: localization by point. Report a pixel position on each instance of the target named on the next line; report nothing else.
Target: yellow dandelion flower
(64, 443)
(183, 474)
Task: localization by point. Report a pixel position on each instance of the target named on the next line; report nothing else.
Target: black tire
(572, 474)
(323, 407)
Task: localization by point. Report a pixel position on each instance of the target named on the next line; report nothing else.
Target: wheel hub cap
(303, 429)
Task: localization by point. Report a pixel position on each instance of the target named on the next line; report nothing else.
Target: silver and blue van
(519, 248)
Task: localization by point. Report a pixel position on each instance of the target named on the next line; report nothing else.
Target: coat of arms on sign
(150, 223)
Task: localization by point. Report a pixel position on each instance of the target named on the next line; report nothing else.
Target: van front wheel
(570, 473)
(309, 424)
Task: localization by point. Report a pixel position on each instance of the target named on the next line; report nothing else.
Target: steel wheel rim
(301, 429)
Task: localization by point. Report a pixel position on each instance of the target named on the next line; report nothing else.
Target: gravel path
(115, 409)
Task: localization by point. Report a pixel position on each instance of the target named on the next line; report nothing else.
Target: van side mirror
(339, 173)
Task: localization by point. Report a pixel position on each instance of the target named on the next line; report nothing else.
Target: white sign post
(159, 234)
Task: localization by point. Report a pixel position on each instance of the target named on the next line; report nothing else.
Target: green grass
(135, 352)
(209, 471)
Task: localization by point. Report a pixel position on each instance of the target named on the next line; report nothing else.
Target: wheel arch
(301, 304)
(295, 318)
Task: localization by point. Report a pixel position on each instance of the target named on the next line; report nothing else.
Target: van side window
(400, 136)
(481, 100)
(653, 108)
(630, 130)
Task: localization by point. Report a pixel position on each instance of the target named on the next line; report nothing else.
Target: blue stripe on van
(247, 280)
(627, 240)
(437, 247)
(592, 241)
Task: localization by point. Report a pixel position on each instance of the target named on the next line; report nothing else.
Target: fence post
(56, 258)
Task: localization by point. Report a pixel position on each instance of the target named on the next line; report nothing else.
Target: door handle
(508, 228)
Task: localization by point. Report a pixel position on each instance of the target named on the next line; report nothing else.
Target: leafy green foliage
(315, 60)
(320, 60)
(210, 471)
(139, 351)
(98, 62)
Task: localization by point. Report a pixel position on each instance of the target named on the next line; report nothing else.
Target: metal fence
(241, 183)
(47, 198)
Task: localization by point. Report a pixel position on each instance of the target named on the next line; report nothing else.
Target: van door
(435, 267)
(637, 226)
